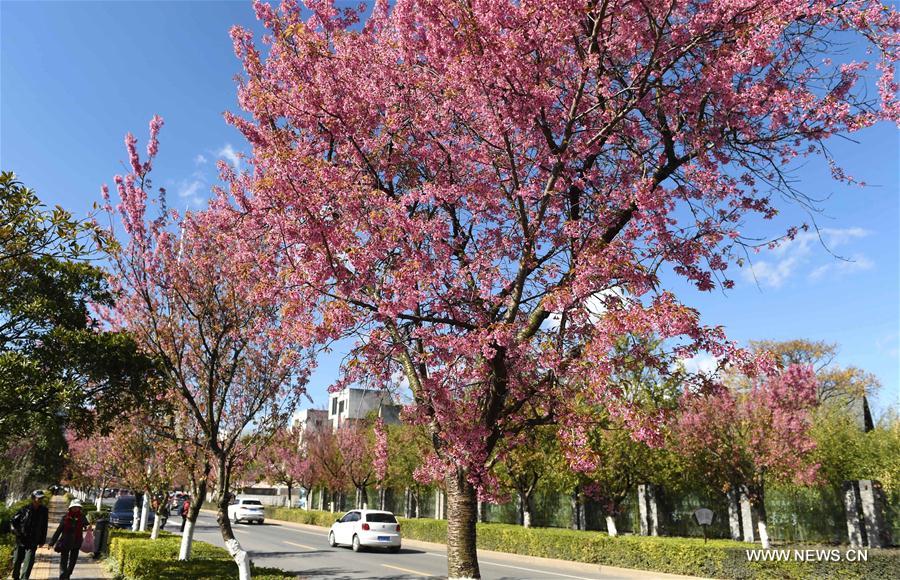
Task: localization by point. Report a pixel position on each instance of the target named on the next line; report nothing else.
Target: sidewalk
(47, 564)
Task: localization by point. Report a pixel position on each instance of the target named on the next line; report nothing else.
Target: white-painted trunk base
(155, 533)
(240, 558)
(611, 526)
(763, 535)
(526, 519)
(145, 511)
(187, 540)
(135, 518)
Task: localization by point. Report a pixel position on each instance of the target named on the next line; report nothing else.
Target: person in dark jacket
(70, 534)
(30, 529)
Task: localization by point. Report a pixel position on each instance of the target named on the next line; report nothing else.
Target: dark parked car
(122, 514)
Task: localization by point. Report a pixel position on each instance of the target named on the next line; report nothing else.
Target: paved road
(305, 550)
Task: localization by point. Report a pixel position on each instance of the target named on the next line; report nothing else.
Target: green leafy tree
(527, 468)
(57, 366)
(407, 446)
(847, 388)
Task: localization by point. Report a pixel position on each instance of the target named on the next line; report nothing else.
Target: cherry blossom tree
(742, 439)
(488, 193)
(89, 462)
(285, 460)
(193, 293)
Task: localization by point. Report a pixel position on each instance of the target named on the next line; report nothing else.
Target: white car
(247, 510)
(366, 528)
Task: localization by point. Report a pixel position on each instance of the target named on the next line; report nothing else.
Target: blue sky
(75, 76)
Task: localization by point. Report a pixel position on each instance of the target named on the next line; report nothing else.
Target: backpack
(21, 522)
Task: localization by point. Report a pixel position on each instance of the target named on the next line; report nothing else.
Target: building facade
(354, 403)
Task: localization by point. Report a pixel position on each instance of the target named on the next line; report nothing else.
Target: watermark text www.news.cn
(821, 555)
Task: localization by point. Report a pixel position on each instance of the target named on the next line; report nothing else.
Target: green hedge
(300, 516)
(6, 549)
(690, 556)
(134, 556)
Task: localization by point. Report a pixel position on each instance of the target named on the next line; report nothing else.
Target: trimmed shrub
(134, 556)
(690, 556)
(6, 550)
(300, 516)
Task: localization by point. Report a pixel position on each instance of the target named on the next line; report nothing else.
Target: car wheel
(331, 541)
(234, 520)
(356, 545)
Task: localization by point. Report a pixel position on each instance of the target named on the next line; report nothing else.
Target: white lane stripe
(417, 573)
(483, 561)
(300, 545)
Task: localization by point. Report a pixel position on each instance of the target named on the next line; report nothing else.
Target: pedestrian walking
(185, 508)
(161, 509)
(68, 537)
(29, 526)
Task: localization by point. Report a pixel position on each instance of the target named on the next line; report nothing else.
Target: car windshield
(251, 502)
(381, 518)
(123, 504)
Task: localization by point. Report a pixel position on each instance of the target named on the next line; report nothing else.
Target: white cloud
(702, 362)
(229, 153)
(191, 189)
(793, 255)
(888, 345)
(857, 263)
(200, 159)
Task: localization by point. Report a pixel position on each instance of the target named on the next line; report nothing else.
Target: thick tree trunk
(611, 526)
(760, 508)
(290, 500)
(155, 533)
(381, 498)
(578, 520)
(241, 558)
(462, 557)
(136, 514)
(406, 503)
(416, 499)
(100, 495)
(187, 536)
(308, 495)
(734, 514)
(145, 511)
(525, 509)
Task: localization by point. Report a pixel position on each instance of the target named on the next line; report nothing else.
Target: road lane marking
(483, 561)
(240, 531)
(480, 561)
(301, 545)
(417, 573)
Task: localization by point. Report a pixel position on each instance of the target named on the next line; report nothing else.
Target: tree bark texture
(462, 558)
